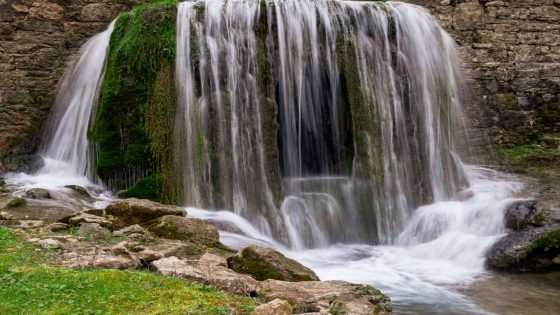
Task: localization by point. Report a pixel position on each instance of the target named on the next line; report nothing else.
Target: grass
(32, 284)
(538, 158)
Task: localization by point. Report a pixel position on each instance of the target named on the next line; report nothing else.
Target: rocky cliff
(511, 53)
(37, 39)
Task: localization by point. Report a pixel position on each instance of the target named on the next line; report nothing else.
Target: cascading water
(364, 104)
(69, 158)
(66, 139)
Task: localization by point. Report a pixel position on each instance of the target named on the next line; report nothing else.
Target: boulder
(102, 260)
(38, 193)
(148, 255)
(50, 243)
(274, 307)
(94, 231)
(139, 211)
(527, 250)
(209, 259)
(335, 297)
(12, 203)
(217, 276)
(54, 227)
(265, 263)
(84, 217)
(79, 189)
(520, 213)
(185, 229)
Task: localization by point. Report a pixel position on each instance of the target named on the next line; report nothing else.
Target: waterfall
(65, 146)
(318, 121)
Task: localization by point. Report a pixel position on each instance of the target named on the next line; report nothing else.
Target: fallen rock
(38, 193)
(527, 250)
(335, 297)
(265, 263)
(186, 229)
(520, 213)
(148, 255)
(54, 227)
(105, 261)
(274, 307)
(79, 189)
(217, 276)
(209, 259)
(94, 230)
(138, 211)
(13, 202)
(84, 217)
(22, 224)
(50, 243)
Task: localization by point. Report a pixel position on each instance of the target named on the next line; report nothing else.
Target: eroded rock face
(139, 211)
(266, 263)
(36, 39)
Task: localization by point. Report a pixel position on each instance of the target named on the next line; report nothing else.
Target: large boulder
(265, 263)
(38, 193)
(139, 211)
(94, 231)
(185, 229)
(527, 250)
(334, 297)
(520, 214)
(218, 276)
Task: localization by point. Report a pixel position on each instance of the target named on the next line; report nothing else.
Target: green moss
(537, 158)
(33, 284)
(137, 98)
(15, 203)
(550, 242)
(337, 307)
(146, 188)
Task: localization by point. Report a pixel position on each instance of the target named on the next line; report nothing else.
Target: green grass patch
(539, 159)
(32, 284)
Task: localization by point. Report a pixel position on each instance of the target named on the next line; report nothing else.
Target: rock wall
(511, 54)
(511, 51)
(37, 37)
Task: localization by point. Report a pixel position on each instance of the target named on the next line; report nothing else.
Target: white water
(69, 158)
(440, 251)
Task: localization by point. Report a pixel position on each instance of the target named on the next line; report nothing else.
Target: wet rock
(12, 203)
(83, 217)
(79, 189)
(217, 276)
(336, 297)
(138, 211)
(186, 229)
(38, 193)
(274, 307)
(94, 231)
(526, 250)
(520, 213)
(2, 182)
(265, 263)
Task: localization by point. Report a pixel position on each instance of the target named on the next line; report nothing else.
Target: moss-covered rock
(137, 101)
(265, 263)
(79, 189)
(138, 211)
(194, 231)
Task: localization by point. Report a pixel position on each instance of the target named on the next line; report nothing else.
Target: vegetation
(137, 101)
(541, 158)
(33, 284)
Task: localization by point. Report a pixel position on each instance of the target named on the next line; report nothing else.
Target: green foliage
(546, 243)
(137, 97)
(540, 158)
(145, 188)
(31, 284)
